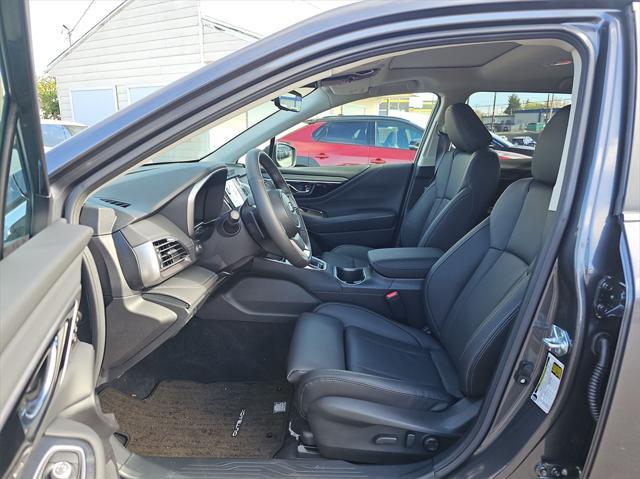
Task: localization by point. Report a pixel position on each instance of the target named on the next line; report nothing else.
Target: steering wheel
(277, 209)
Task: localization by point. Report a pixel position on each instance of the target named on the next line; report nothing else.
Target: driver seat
(374, 390)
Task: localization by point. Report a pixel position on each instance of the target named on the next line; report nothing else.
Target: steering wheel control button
(385, 440)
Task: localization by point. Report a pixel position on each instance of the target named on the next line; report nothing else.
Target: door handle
(50, 372)
(306, 189)
(378, 161)
(322, 156)
(34, 405)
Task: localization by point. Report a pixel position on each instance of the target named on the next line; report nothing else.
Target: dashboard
(160, 249)
(158, 216)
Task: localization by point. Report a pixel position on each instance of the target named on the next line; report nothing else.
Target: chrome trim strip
(148, 263)
(195, 189)
(69, 339)
(34, 407)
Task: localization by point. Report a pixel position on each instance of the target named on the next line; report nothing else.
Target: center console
(404, 262)
(392, 285)
(350, 276)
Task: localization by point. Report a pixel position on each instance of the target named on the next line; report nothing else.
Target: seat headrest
(548, 153)
(466, 131)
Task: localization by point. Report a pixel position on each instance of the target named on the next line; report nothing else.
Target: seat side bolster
(453, 221)
(341, 383)
(483, 176)
(414, 221)
(317, 343)
(452, 271)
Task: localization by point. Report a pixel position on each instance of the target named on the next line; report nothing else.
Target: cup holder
(350, 275)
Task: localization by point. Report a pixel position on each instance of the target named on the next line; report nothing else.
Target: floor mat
(189, 419)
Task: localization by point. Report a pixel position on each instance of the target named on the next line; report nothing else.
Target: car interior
(354, 313)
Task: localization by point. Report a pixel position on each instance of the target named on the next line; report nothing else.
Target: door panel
(48, 408)
(351, 205)
(39, 296)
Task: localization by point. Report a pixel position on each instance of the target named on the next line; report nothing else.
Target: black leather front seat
(374, 390)
(463, 189)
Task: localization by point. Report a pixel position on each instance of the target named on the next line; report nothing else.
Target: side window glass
(415, 135)
(395, 135)
(17, 206)
(53, 135)
(349, 132)
(517, 118)
(386, 135)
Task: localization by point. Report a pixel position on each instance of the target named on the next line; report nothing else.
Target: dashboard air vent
(170, 252)
(121, 204)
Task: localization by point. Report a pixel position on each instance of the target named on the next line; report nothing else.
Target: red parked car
(355, 140)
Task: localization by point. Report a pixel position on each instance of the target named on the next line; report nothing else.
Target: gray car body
(360, 31)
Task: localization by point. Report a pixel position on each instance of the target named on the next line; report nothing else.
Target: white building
(139, 47)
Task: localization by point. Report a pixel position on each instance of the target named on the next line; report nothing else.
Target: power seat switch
(384, 440)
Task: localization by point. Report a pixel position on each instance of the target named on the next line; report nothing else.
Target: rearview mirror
(414, 144)
(285, 155)
(292, 101)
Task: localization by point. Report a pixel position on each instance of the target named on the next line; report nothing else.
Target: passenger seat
(465, 184)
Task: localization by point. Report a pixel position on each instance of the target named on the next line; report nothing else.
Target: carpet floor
(190, 419)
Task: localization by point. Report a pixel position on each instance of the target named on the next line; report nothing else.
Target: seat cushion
(348, 256)
(349, 351)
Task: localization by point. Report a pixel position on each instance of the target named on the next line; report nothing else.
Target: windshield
(201, 144)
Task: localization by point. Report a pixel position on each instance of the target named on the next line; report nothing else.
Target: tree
(48, 97)
(513, 104)
(534, 105)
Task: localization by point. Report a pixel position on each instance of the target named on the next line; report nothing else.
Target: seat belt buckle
(396, 305)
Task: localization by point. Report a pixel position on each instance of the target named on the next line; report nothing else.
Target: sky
(50, 17)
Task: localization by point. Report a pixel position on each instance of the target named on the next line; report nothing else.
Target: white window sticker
(279, 407)
(548, 384)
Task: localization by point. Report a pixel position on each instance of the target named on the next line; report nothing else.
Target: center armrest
(404, 262)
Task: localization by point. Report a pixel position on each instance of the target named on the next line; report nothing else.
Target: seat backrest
(473, 293)
(462, 190)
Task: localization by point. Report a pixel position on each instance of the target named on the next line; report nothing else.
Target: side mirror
(285, 155)
(414, 144)
(292, 101)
